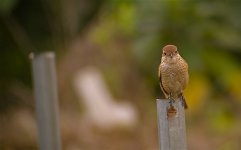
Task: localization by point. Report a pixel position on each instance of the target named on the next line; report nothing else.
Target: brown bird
(173, 74)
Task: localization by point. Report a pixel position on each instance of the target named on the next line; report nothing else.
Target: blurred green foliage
(207, 33)
(35, 26)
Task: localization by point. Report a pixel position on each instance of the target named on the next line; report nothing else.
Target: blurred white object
(102, 110)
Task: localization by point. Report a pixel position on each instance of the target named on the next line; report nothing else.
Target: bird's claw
(171, 101)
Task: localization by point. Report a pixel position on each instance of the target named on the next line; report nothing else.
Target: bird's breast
(172, 77)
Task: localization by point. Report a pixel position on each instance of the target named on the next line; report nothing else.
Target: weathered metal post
(46, 98)
(171, 125)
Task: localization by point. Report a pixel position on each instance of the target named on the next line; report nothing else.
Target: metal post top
(171, 125)
(166, 100)
(48, 54)
(159, 99)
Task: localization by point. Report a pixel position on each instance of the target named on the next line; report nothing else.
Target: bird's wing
(186, 75)
(160, 80)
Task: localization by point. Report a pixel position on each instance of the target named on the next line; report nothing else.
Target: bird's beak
(171, 55)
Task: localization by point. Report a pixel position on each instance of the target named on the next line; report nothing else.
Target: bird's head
(170, 52)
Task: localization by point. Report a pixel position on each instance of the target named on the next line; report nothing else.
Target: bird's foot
(171, 112)
(171, 101)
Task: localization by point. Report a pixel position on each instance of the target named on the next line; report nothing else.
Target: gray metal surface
(171, 128)
(46, 97)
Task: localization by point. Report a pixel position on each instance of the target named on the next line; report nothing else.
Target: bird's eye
(176, 52)
(165, 53)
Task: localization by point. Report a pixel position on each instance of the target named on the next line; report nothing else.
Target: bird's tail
(184, 101)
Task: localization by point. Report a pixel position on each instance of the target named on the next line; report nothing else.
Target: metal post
(171, 125)
(45, 89)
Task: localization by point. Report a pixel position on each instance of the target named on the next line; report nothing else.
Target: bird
(173, 74)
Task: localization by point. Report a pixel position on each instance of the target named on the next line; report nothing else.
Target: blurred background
(108, 53)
